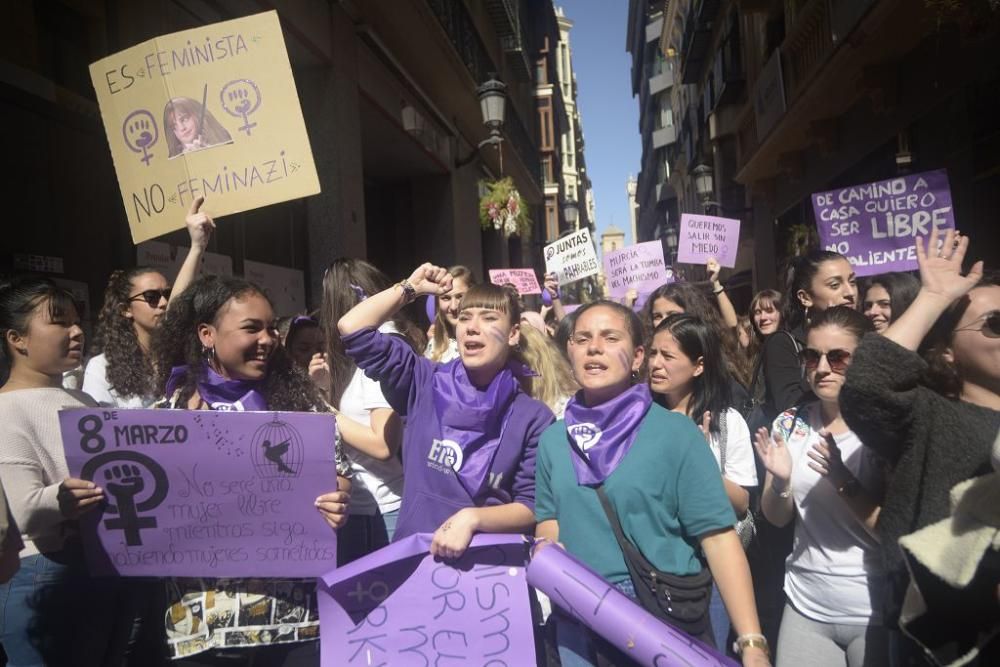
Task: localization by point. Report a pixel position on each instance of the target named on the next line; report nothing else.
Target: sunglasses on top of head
(151, 296)
(990, 326)
(837, 359)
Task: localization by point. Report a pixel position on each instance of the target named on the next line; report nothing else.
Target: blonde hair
(442, 329)
(555, 377)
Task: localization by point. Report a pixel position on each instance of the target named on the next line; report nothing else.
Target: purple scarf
(473, 421)
(220, 393)
(601, 436)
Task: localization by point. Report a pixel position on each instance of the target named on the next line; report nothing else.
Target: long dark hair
(695, 301)
(129, 371)
(804, 269)
(712, 390)
(943, 375)
(18, 299)
(902, 289)
(346, 283)
(176, 343)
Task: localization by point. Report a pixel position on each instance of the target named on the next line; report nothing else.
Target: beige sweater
(33, 464)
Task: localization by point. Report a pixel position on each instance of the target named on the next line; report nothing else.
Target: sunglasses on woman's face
(990, 326)
(152, 296)
(838, 359)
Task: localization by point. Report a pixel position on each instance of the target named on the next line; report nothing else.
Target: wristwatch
(751, 641)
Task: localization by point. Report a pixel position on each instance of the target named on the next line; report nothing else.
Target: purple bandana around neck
(220, 393)
(473, 420)
(600, 436)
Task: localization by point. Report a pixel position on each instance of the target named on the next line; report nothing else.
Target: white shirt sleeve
(95, 382)
(740, 466)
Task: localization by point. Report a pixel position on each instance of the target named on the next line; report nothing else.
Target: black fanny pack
(680, 600)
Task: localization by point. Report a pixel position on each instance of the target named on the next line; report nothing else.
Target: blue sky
(610, 113)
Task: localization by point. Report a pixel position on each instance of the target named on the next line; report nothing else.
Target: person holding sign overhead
(472, 431)
(135, 301)
(52, 611)
(217, 349)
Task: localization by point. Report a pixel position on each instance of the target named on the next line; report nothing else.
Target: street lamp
(703, 185)
(571, 213)
(493, 106)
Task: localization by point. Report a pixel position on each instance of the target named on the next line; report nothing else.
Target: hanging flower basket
(502, 209)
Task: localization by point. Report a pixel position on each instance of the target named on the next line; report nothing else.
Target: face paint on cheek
(623, 359)
(496, 334)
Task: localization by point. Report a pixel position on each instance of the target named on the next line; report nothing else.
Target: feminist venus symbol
(126, 482)
(141, 132)
(240, 98)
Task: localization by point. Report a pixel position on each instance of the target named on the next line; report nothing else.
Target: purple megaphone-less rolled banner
(600, 606)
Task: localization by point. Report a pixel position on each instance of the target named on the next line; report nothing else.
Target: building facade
(779, 99)
(388, 93)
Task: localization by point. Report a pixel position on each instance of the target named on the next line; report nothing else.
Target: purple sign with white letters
(402, 607)
(203, 493)
(874, 224)
(705, 236)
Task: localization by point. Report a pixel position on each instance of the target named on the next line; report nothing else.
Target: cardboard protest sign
(874, 224)
(401, 606)
(204, 493)
(706, 236)
(639, 267)
(600, 606)
(211, 112)
(572, 257)
(524, 280)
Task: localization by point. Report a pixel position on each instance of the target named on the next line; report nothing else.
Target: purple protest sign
(639, 267)
(204, 494)
(706, 236)
(874, 224)
(524, 280)
(587, 597)
(400, 606)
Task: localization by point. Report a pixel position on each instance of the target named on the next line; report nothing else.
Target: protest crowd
(815, 489)
(448, 468)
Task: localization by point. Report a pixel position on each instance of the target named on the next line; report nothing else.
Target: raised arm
(725, 305)
(552, 287)
(376, 310)
(200, 227)
(941, 283)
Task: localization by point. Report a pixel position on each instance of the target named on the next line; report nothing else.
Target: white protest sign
(572, 257)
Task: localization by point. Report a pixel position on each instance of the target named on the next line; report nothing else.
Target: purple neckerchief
(220, 393)
(601, 436)
(473, 420)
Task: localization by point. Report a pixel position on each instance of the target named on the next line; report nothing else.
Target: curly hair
(694, 301)
(176, 343)
(129, 371)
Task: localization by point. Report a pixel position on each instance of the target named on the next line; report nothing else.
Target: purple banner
(402, 607)
(591, 600)
(705, 236)
(874, 224)
(205, 494)
(639, 267)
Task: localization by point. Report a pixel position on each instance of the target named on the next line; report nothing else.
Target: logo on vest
(445, 454)
(585, 435)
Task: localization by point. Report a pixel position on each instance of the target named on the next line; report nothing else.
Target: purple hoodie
(432, 491)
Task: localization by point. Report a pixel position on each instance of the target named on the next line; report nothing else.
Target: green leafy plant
(502, 208)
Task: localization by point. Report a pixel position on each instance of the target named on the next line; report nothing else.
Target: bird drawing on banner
(274, 454)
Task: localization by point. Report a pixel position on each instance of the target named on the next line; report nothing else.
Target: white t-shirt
(834, 572)
(95, 383)
(449, 354)
(377, 485)
(740, 466)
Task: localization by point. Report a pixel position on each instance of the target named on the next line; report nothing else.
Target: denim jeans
(53, 613)
(574, 640)
(363, 534)
(720, 620)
